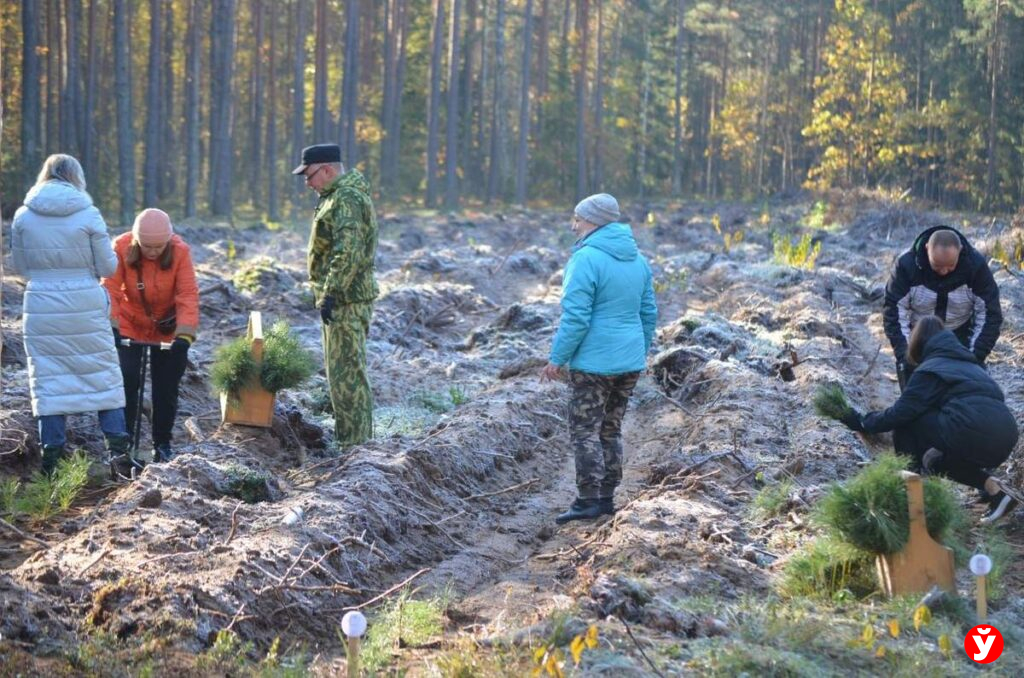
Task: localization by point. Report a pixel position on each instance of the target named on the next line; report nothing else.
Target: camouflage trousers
(345, 356)
(596, 408)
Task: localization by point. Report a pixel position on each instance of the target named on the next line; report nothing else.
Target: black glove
(117, 336)
(853, 420)
(180, 346)
(327, 310)
(980, 357)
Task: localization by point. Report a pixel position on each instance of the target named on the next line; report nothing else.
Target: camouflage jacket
(343, 242)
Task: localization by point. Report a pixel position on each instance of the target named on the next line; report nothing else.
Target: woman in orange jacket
(154, 299)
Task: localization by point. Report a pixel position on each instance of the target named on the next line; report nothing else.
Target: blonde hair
(62, 167)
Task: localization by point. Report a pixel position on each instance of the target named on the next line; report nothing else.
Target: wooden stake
(353, 657)
(982, 602)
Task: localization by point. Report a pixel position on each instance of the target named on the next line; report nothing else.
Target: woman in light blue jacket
(607, 325)
(59, 243)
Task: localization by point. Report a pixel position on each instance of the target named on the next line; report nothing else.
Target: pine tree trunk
(598, 146)
(273, 200)
(192, 78)
(522, 154)
(583, 39)
(320, 116)
(677, 114)
(433, 105)
(167, 176)
(993, 108)
(222, 39)
(299, 95)
(71, 97)
(470, 45)
(154, 90)
(123, 98)
(482, 140)
(496, 171)
(645, 95)
(31, 104)
(350, 85)
(256, 106)
(395, 124)
(387, 101)
(88, 135)
(51, 142)
(451, 188)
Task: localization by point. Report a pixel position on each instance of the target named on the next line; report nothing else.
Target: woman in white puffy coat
(60, 245)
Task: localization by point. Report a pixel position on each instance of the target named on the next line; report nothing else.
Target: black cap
(318, 154)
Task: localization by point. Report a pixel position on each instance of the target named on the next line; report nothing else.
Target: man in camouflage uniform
(607, 325)
(342, 246)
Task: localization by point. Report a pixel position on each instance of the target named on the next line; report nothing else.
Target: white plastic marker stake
(353, 625)
(293, 516)
(981, 565)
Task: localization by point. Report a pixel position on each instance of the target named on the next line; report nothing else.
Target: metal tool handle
(162, 345)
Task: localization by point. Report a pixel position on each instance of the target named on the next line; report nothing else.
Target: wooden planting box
(923, 562)
(255, 406)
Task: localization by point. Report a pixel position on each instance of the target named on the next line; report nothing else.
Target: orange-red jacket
(174, 287)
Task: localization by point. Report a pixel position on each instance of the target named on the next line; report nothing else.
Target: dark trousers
(166, 369)
(961, 463)
(595, 423)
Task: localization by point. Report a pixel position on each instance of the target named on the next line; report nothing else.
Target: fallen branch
(169, 555)
(234, 524)
(529, 482)
(387, 593)
(23, 535)
(102, 554)
(871, 365)
(638, 646)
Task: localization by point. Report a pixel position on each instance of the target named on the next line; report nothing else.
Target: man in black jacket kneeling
(942, 275)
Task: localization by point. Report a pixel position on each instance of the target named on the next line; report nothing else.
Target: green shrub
(286, 364)
(827, 568)
(248, 485)
(869, 511)
(458, 395)
(772, 499)
(830, 402)
(44, 496)
(797, 253)
(252, 274)
(233, 367)
(8, 493)
(402, 622)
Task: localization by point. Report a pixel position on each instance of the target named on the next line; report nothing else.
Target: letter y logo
(984, 644)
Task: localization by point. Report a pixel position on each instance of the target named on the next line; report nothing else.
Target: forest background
(202, 107)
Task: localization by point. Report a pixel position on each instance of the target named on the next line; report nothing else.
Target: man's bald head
(943, 251)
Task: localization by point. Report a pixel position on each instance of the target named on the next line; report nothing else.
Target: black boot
(162, 452)
(607, 506)
(51, 455)
(119, 456)
(581, 509)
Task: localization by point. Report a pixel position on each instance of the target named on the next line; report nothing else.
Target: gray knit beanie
(598, 209)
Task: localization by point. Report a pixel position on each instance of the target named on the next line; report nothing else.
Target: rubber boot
(607, 506)
(51, 455)
(118, 449)
(162, 452)
(581, 509)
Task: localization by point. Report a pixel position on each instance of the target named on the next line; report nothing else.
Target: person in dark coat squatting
(951, 418)
(942, 275)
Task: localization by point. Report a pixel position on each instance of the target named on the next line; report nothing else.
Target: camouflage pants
(345, 355)
(596, 409)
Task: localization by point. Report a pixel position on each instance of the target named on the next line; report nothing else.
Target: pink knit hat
(152, 227)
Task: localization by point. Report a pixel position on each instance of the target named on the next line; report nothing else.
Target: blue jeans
(51, 426)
